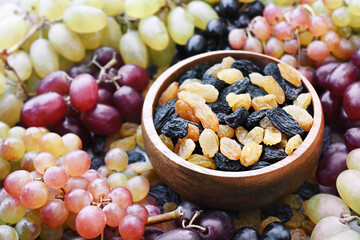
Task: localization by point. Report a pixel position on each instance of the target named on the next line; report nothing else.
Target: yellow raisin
(255, 135)
(298, 234)
(184, 148)
(294, 201)
(264, 102)
(230, 75)
(169, 93)
(167, 141)
(303, 100)
(283, 142)
(290, 74)
(227, 62)
(230, 148)
(225, 131)
(193, 132)
(139, 138)
(207, 117)
(202, 161)
(187, 82)
(272, 136)
(250, 154)
(209, 143)
(296, 220)
(250, 218)
(214, 69)
(126, 144)
(141, 167)
(308, 226)
(207, 91)
(191, 98)
(239, 100)
(265, 123)
(270, 86)
(240, 133)
(266, 222)
(292, 144)
(304, 119)
(185, 111)
(128, 129)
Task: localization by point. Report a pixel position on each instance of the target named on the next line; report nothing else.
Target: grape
(273, 13)
(237, 38)
(114, 213)
(12, 30)
(43, 57)
(180, 233)
(3, 195)
(216, 28)
(76, 182)
(323, 205)
(319, 7)
(351, 101)
(54, 213)
(142, 8)
(291, 46)
(85, 225)
(318, 26)
(352, 138)
(129, 102)
(11, 210)
(260, 27)
(341, 78)
(113, 7)
(202, 13)
(330, 167)
(253, 44)
(153, 32)
(131, 227)
(28, 228)
(116, 159)
(77, 199)
(180, 25)
(289, 59)
(331, 107)
(52, 9)
(274, 48)
(328, 226)
(56, 177)
(218, 224)
(12, 149)
(133, 49)
(276, 230)
(34, 195)
(20, 61)
(164, 58)
(318, 50)
(345, 50)
(84, 19)
(282, 31)
(341, 17)
(152, 210)
(91, 175)
(106, 54)
(54, 82)
(133, 76)
(195, 45)
(8, 233)
(104, 97)
(151, 233)
(71, 142)
(349, 234)
(15, 182)
(305, 38)
(43, 161)
(52, 143)
(139, 187)
(111, 34)
(299, 19)
(76, 162)
(245, 233)
(242, 22)
(332, 39)
(333, 4)
(16, 132)
(138, 211)
(83, 92)
(121, 196)
(322, 72)
(2, 83)
(99, 188)
(353, 160)
(102, 119)
(51, 233)
(348, 188)
(229, 9)
(4, 168)
(354, 21)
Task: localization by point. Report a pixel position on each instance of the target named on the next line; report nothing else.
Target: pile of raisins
(235, 116)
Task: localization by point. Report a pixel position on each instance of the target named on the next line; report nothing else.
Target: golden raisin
(209, 142)
(290, 74)
(265, 123)
(255, 135)
(128, 129)
(193, 132)
(126, 144)
(139, 138)
(266, 222)
(294, 201)
(167, 141)
(187, 82)
(230, 148)
(283, 142)
(141, 167)
(304, 119)
(239, 100)
(264, 102)
(169, 93)
(227, 62)
(225, 131)
(230, 75)
(184, 148)
(292, 144)
(298, 234)
(270, 86)
(185, 111)
(191, 98)
(250, 218)
(202, 161)
(272, 136)
(214, 69)
(240, 134)
(308, 226)
(207, 91)
(303, 100)
(207, 117)
(296, 220)
(250, 154)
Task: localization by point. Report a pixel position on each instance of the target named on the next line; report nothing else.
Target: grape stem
(21, 84)
(191, 225)
(309, 9)
(176, 214)
(346, 218)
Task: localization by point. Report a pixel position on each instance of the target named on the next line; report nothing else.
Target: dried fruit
(239, 100)
(187, 75)
(308, 226)
(210, 79)
(209, 142)
(250, 154)
(303, 100)
(207, 91)
(255, 135)
(266, 222)
(167, 141)
(296, 220)
(298, 234)
(207, 117)
(254, 119)
(255, 91)
(175, 128)
(292, 144)
(283, 142)
(246, 67)
(237, 118)
(214, 70)
(184, 148)
(191, 98)
(139, 138)
(265, 123)
(220, 107)
(284, 122)
(128, 129)
(202, 161)
(304, 119)
(225, 131)
(135, 156)
(241, 134)
(272, 154)
(185, 111)
(227, 62)
(225, 164)
(230, 148)
(294, 201)
(269, 84)
(164, 113)
(230, 75)
(126, 144)
(169, 93)
(272, 136)
(281, 211)
(236, 88)
(193, 132)
(264, 102)
(249, 218)
(290, 74)
(259, 165)
(187, 82)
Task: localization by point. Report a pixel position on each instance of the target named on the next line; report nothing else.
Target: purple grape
(219, 225)
(108, 86)
(105, 54)
(351, 102)
(328, 189)
(83, 92)
(342, 76)
(133, 76)
(102, 119)
(180, 233)
(352, 138)
(345, 122)
(334, 148)
(247, 233)
(331, 107)
(129, 102)
(79, 69)
(330, 167)
(189, 211)
(105, 97)
(355, 59)
(276, 231)
(323, 71)
(54, 82)
(151, 233)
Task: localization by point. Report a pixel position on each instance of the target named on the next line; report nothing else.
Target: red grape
(308, 73)
(352, 138)
(351, 101)
(105, 96)
(355, 58)
(331, 107)
(133, 76)
(121, 196)
(131, 227)
(322, 72)
(344, 75)
(139, 211)
(219, 225)
(76, 162)
(56, 177)
(54, 82)
(129, 102)
(345, 122)
(34, 195)
(54, 213)
(114, 213)
(83, 92)
(330, 167)
(105, 54)
(90, 222)
(77, 199)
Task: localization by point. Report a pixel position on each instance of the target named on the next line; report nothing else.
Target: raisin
(298, 234)
(292, 92)
(304, 119)
(272, 136)
(241, 133)
(167, 141)
(246, 67)
(207, 117)
(184, 148)
(283, 142)
(250, 154)
(294, 201)
(230, 148)
(269, 84)
(255, 91)
(193, 132)
(126, 144)
(327, 137)
(303, 100)
(272, 154)
(135, 156)
(191, 98)
(290, 74)
(128, 129)
(307, 190)
(225, 131)
(214, 69)
(230, 75)
(98, 143)
(225, 164)
(254, 119)
(284, 122)
(187, 75)
(237, 118)
(139, 138)
(266, 222)
(308, 226)
(164, 113)
(202, 161)
(97, 161)
(237, 88)
(296, 220)
(185, 111)
(226, 62)
(265, 123)
(264, 102)
(249, 218)
(164, 194)
(187, 82)
(239, 100)
(293, 144)
(207, 91)
(169, 93)
(221, 117)
(259, 165)
(255, 135)
(210, 79)
(209, 142)
(175, 128)
(220, 107)
(281, 211)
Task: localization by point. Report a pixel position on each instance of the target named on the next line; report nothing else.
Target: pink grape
(345, 50)
(56, 177)
(351, 101)
(289, 59)
(299, 19)
(43, 161)
(54, 82)
(273, 13)
(139, 211)
(114, 213)
(91, 175)
(133, 76)
(34, 195)
(71, 221)
(332, 39)
(3, 194)
(77, 182)
(274, 48)
(131, 227)
(291, 46)
(318, 50)
(116, 159)
(15, 182)
(83, 92)
(12, 149)
(76, 162)
(121, 196)
(318, 26)
(253, 44)
(129, 102)
(77, 199)
(260, 27)
(90, 222)
(99, 188)
(237, 38)
(342, 76)
(54, 213)
(282, 31)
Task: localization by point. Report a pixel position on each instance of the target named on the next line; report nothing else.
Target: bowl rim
(149, 127)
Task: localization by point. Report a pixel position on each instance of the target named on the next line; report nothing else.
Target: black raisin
(284, 122)
(237, 118)
(281, 211)
(220, 107)
(307, 190)
(175, 128)
(164, 194)
(254, 119)
(327, 137)
(200, 70)
(187, 75)
(198, 149)
(237, 88)
(164, 113)
(98, 143)
(210, 79)
(272, 154)
(221, 117)
(255, 91)
(292, 92)
(246, 67)
(97, 161)
(258, 165)
(135, 156)
(225, 164)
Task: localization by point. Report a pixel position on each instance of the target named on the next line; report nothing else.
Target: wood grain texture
(222, 189)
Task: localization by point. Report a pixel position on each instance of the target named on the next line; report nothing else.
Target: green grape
(153, 32)
(319, 7)
(111, 34)
(8, 233)
(129, 173)
(202, 13)
(348, 235)
(353, 159)
(327, 227)
(11, 210)
(324, 205)
(180, 25)
(348, 187)
(28, 228)
(10, 107)
(20, 61)
(84, 19)
(163, 58)
(12, 30)
(344, 32)
(27, 44)
(4, 168)
(33, 82)
(2, 83)
(30, 5)
(91, 3)
(133, 50)
(16, 132)
(355, 40)
(142, 8)
(113, 7)
(283, 2)
(52, 9)
(333, 4)
(355, 21)
(4, 128)
(341, 17)
(64, 64)
(2, 68)
(43, 57)
(51, 233)
(354, 7)
(8, 9)
(91, 41)
(117, 179)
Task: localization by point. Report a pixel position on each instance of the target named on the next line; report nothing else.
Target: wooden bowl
(224, 189)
